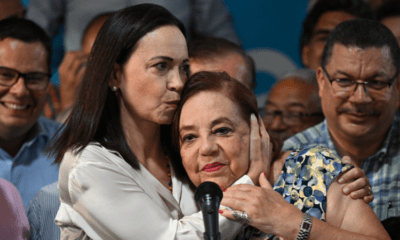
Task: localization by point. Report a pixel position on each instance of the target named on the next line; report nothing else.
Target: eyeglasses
(348, 86)
(33, 80)
(289, 118)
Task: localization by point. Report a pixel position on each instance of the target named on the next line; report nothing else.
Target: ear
(321, 82)
(116, 76)
(304, 55)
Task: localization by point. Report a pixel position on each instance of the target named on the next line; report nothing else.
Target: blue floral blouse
(304, 182)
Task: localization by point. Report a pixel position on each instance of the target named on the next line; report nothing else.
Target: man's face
(20, 107)
(393, 23)
(292, 107)
(233, 64)
(363, 113)
(311, 53)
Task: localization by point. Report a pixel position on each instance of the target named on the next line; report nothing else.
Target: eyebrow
(186, 60)
(321, 32)
(213, 123)
(350, 76)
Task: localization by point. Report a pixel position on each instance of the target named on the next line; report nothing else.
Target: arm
(113, 204)
(212, 18)
(272, 214)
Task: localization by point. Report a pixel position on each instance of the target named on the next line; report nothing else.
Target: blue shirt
(30, 169)
(42, 211)
(382, 168)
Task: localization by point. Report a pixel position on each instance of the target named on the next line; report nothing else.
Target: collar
(37, 131)
(384, 147)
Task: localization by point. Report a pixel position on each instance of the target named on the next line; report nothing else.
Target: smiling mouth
(213, 167)
(15, 106)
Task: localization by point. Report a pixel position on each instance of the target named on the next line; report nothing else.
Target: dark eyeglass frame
(26, 76)
(364, 83)
(302, 117)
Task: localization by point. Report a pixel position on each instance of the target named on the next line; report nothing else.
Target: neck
(12, 142)
(358, 148)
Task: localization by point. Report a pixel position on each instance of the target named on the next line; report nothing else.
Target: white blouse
(103, 197)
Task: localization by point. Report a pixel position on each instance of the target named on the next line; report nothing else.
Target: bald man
(293, 104)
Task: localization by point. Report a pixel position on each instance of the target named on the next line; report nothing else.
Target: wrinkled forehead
(374, 59)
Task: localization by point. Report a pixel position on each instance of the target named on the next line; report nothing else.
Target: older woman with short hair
(211, 132)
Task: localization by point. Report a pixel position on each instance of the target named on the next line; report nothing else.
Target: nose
(208, 146)
(360, 95)
(19, 88)
(176, 82)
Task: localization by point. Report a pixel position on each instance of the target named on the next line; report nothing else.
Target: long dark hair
(95, 115)
(220, 83)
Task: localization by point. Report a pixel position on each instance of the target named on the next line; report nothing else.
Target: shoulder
(49, 126)
(312, 136)
(7, 191)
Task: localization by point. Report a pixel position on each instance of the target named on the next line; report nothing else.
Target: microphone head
(208, 188)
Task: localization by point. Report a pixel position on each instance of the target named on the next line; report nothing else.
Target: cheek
(189, 162)
(241, 156)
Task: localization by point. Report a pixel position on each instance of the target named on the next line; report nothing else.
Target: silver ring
(370, 190)
(241, 217)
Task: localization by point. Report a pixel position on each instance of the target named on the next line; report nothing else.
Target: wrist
(305, 227)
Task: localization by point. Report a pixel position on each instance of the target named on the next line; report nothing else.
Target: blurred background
(269, 31)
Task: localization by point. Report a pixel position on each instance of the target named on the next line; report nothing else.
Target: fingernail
(265, 174)
(346, 190)
(340, 180)
(220, 211)
(354, 194)
(253, 117)
(225, 190)
(222, 187)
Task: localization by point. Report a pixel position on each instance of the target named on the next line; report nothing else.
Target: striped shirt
(382, 168)
(42, 211)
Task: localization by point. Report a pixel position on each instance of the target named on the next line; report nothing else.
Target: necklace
(169, 174)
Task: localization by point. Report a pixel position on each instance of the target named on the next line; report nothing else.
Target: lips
(16, 106)
(173, 103)
(213, 167)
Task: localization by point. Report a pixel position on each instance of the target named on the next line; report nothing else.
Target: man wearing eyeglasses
(358, 89)
(25, 52)
(293, 104)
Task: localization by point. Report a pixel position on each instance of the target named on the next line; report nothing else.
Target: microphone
(209, 195)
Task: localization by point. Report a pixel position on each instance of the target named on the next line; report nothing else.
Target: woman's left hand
(357, 184)
(266, 209)
(260, 150)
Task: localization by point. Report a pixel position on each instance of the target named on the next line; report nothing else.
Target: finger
(78, 64)
(368, 199)
(352, 174)
(264, 183)
(229, 214)
(356, 185)
(255, 145)
(360, 193)
(346, 160)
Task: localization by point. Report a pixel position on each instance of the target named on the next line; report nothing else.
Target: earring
(114, 88)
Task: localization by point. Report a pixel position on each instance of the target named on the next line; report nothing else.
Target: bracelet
(305, 227)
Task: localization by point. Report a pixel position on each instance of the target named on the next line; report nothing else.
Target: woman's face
(151, 81)
(214, 139)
